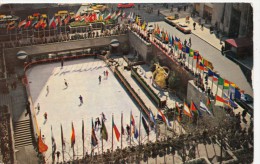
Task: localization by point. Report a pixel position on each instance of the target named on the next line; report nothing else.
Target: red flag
(180, 46)
(28, 24)
(115, 130)
(72, 136)
(22, 23)
(42, 147)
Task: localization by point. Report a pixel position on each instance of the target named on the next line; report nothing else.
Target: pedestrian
(103, 116)
(65, 82)
(81, 99)
(202, 25)
(194, 25)
(190, 41)
(158, 12)
(185, 42)
(47, 89)
(58, 155)
(99, 78)
(222, 49)
(45, 116)
(61, 62)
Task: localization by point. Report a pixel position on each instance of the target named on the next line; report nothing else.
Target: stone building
(233, 19)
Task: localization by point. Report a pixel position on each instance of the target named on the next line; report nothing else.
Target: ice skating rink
(63, 105)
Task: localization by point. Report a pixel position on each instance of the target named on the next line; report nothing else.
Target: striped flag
(162, 117)
(72, 135)
(186, 110)
(104, 134)
(115, 129)
(219, 101)
(94, 140)
(22, 23)
(146, 127)
(204, 108)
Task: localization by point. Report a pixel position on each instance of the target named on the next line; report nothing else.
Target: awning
(240, 42)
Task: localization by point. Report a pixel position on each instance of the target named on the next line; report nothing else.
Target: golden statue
(160, 75)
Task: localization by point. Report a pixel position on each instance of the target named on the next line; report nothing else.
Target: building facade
(233, 19)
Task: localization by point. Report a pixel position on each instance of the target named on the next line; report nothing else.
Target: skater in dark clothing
(45, 116)
(28, 108)
(47, 90)
(107, 73)
(58, 155)
(222, 49)
(99, 78)
(38, 107)
(65, 82)
(81, 99)
(104, 73)
(61, 62)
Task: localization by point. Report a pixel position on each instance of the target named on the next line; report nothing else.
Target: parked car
(183, 27)
(170, 20)
(125, 5)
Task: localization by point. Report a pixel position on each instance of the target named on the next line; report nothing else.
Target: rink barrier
(58, 59)
(139, 101)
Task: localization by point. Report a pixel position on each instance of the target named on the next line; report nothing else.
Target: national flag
(38, 25)
(229, 102)
(52, 23)
(59, 21)
(162, 117)
(136, 134)
(143, 26)
(67, 20)
(186, 110)
(210, 73)
(196, 54)
(232, 91)
(179, 112)
(176, 39)
(166, 37)
(44, 24)
(129, 16)
(28, 23)
(146, 127)
(11, 25)
(215, 77)
(201, 66)
(132, 121)
(194, 108)
(179, 46)
(226, 84)
(115, 129)
(210, 65)
(123, 14)
(113, 15)
(83, 133)
(34, 23)
(108, 17)
(77, 18)
(191, 54)
(187, 49)
(72, 135)
(170, 40)
(22, 23)
(53, 144)
(94, 140)
(62, 139)
(209, 105)
(219, 101)
(117, 15)
(204, 108)
(137, 19)
(104, 134)
(237, 93)
(220, 81)
(41, 146)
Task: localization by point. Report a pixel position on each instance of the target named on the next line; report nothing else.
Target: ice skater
(65, 82)
(38, 108)
(81, 99)
(61, 62)
(104, 73)
(47, 90)
(103, 116)
(45, 116)
(99, 78)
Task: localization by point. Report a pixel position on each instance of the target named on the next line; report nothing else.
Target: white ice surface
(62, 105)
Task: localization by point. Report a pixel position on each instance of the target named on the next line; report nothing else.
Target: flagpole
(83, 138)
(212, 82)
(73, 145)
(121, 129)
(112, 133)
(102, 137)
(140, 128)
(130, 127)
(62, 143)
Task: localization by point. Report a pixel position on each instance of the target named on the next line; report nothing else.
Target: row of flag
(201, 63)
(55, 21)
(42, 147)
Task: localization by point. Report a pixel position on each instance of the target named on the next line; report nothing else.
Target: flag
(194, 108)
(186, 110)
(53, 145)
(108, 17)
(204, 108)
(62, 138)
(179, 112)
(219, 101)
(210, 73)
(101, 17)
(83, 135)
(196, 54)
(104, 131)
(215, 77)
(179, 46)
(135, 133)
(115, 129)
(52, 23)
(226, 84)
(220, 81)
(44, 24)
(66, 21)
(41, 146)
(162, 117)
(94, 140)
(237, 93)
(11, 25)
(191, 54)
(146, 127)
(176, 39)
(22, 23)
(170, 40)
(201, 66)
(132, 121)
(166, 37)
(28, 24)
(143, 26)
(137, 19)
(209, 105)
(129, 16)
(187, 49)
(229, 102)
(72, 135)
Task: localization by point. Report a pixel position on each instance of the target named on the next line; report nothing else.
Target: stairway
(22, 133)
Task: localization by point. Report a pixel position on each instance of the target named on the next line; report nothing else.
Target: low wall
(194, 94)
